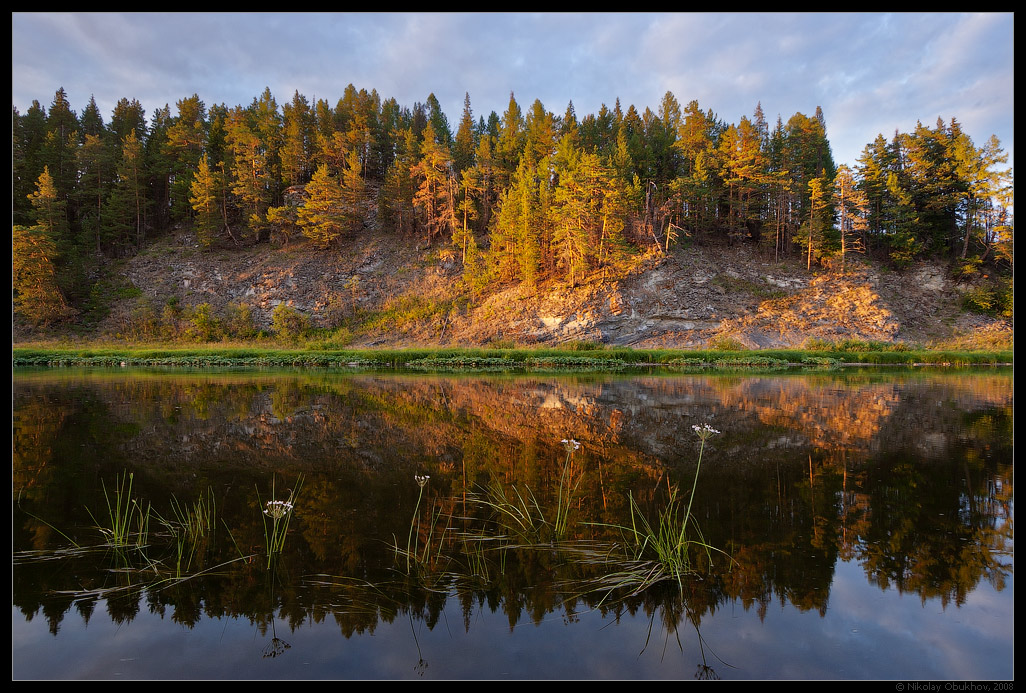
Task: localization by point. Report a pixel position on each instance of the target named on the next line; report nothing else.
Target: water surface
(865, 520)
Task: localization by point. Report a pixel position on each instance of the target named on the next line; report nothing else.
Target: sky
(871, 73)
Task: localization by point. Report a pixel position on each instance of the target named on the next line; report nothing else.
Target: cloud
(871, 73)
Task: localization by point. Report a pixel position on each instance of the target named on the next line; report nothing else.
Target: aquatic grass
(570, 477)
(518, 514)
(122, 512)
(522, 515)
(415, 522)
(663, 550)
(424, 558)
(280, 514)
(199, 519)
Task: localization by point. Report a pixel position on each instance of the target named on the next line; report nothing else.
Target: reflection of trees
(807, 471)
(937, 530)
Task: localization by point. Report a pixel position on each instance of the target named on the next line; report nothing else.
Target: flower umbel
(704, 431)
(421, 480)
(570, 444)
(278, 509)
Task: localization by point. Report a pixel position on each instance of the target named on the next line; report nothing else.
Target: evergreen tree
(95, 164)
(128, 116)
(298, 141)
(36, 295)
(509, 144)
(61, 144)
(465, 143)
(92, 121)
(251, 178)
(159, 165)
(207, 201)
(975, 168)
(852, 207)
(353, 192)
(435, 200)
(52, 226)
(812, 236)
(540, 133)
(575, 209)
(183, 146)
(396, 206)
(128, 202)
(322, 219)
(29, 138)
(51, 214)
(438, 121)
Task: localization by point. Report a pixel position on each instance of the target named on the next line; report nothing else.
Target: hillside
(387, 292)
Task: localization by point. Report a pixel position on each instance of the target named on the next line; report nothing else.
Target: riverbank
(598, 359)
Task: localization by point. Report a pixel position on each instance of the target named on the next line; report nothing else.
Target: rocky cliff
(385, 291)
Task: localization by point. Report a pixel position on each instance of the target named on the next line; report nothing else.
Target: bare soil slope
(405, 295)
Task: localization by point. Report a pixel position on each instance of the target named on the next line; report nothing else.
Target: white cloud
(870, 73)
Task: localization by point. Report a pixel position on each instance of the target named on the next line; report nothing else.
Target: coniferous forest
(528, 196)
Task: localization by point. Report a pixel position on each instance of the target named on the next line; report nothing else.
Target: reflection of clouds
(897, 622)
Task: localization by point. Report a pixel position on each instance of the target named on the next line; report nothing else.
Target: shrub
(239, 322)
(288, 323)
(726, 343)
(204, 325)
(582, 345)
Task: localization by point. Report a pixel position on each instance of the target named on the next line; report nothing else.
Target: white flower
(704, 431)
(421, 480)
(570, 444)
(278, 509)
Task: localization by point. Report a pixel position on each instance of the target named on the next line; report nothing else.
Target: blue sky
(871, 73)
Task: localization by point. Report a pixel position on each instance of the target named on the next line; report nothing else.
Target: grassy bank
(435, 358)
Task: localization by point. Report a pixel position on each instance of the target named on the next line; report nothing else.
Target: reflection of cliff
(372, 421)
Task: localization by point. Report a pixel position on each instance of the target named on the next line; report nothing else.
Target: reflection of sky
(866, 633)
(870, 633)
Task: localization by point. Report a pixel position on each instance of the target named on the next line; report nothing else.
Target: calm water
(867, 517)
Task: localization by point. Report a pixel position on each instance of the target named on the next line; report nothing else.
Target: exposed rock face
(689, 298)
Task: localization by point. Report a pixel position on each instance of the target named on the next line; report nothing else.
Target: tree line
(524, 196)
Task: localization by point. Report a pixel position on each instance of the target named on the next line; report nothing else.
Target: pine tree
(395, 203)
(95, 165)
(465, 143)
(28, 139)
(128, 116)
(92, 121)
(852, 207)
(206, 199)
(980, 181)
(435, 200)
(812, 231)
(509, 144)
(51, 222)
(35, 292)
(298, 136)
(354, 192)
(183, 145)
(540, 133)
(575, 209)
(251, 179)
(128, 202)
(322, 219)
(438, 121)
(51, 212)
(61, 145)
